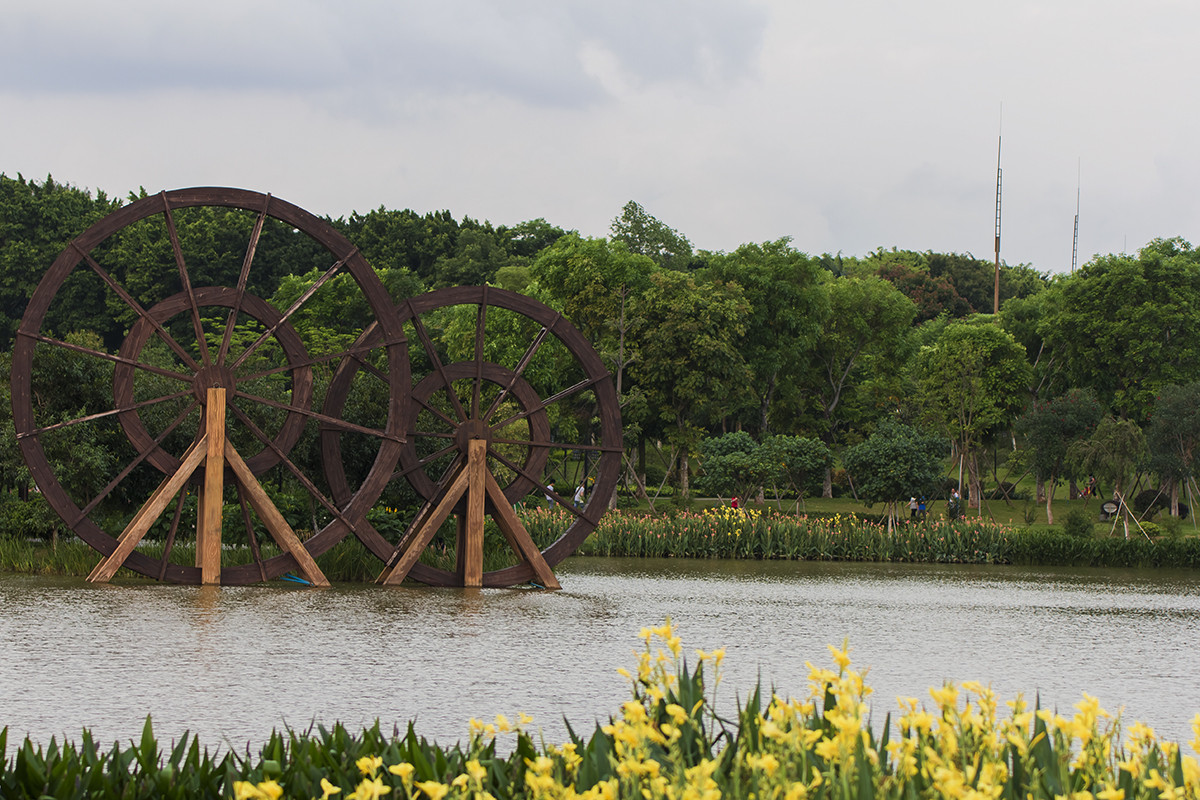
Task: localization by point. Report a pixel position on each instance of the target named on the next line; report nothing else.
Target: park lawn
(1023, 514)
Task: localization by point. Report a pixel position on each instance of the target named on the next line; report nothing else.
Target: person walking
(549, 495)
(579, 496)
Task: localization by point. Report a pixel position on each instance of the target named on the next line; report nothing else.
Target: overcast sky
(845, 124)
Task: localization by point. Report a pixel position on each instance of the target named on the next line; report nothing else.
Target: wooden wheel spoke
(137, 308)
(438, 366)
(332, 422)
(298, 473)
(249, 524)
(115, 482)
(522, 365)
(437, 412)
(103, 414)
(179, 376)
(354, 353)
(480, 329)
(243, 277)
(536, 481)
(421, 463)
(175, 320)
(544, 404)
(296, 306)
(185, 280)
(166, 556)
(595, 448)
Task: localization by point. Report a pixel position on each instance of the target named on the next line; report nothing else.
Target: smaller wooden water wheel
(212, 386)
(505, 389)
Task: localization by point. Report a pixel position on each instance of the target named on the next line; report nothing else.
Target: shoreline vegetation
(669, 740)
(716, 533)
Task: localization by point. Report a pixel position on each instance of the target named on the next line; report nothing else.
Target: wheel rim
(272, 353)
(467, 413)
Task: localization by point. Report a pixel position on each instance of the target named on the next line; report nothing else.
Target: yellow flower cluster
(728, 514)
(668, 743)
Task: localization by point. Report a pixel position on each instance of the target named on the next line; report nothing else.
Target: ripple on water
(231, 664)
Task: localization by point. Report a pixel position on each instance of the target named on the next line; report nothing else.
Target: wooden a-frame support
(474, 480)
(214, 451)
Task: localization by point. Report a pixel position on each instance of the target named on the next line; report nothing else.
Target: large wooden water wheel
(213, 376)
(505, 391)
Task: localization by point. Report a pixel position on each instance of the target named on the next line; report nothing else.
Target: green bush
(654, 476)
(29, 519)
(1079, 524)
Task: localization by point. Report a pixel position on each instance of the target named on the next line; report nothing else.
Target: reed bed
(720, 533)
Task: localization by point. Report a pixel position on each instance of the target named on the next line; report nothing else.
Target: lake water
(230, 664)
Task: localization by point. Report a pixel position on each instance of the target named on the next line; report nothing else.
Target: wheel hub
(214, 377)
(472, 429)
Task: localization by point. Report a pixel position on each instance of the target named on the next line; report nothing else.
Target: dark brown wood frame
(469, 489)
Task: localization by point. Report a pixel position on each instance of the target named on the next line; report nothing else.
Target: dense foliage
(765, 340)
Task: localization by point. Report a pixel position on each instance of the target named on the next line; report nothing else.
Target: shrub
(654, 476)
(1149, 502)
(1152, 529)
(1079, 524)
(29, 519)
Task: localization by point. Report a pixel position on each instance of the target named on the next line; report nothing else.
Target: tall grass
(716, 534)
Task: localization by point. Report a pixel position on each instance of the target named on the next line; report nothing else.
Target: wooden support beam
(416, 526)
(276, 525)
(471, 540)
(424, 535)
(516, 534)
(208, 528)
(145, 517)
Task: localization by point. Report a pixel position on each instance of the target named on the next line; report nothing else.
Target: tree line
(820, 360)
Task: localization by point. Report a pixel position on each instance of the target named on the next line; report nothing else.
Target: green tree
(597, 284)
(527, 239)
(689, 332)
(37, 220)
(787, 307)
(479, 253)
(1127, 326)
(799, 463)
(973, 380)
(394, 239)
(1113, 453)
(1050, 428)
(895, 462)
(645, 235)
(733, 464)
(1173, 437)
(863, 341)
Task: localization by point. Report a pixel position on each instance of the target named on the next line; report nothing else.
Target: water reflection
(232, 663)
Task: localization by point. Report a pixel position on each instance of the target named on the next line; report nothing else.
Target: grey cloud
(527, 51)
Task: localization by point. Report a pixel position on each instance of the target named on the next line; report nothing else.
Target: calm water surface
(231, 664)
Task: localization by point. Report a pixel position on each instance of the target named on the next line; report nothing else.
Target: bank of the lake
(717, 533)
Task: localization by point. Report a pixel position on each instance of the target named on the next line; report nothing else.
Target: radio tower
(999, 175)
(1075, 241)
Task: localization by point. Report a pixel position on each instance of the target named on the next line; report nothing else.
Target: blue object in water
(287, 576)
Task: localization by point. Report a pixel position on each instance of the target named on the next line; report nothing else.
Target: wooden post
(472, 539)
(208, 526)
(474, 480)
(139, 526)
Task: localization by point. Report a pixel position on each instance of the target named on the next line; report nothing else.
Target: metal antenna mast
(999, 176)
(1075, 241)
